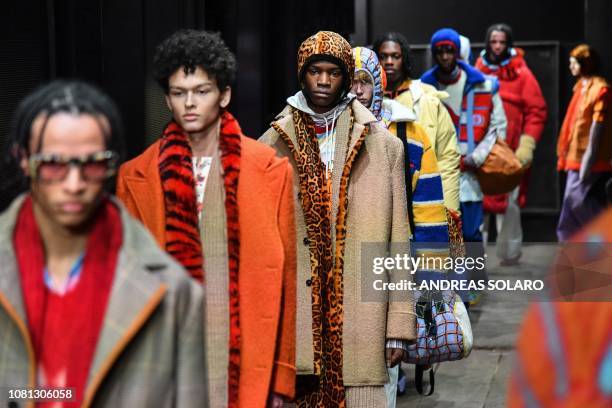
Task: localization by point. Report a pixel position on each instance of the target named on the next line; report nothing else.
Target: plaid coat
(149, 352)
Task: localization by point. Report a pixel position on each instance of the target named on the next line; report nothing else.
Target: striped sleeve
(428, 197)
(430, 222)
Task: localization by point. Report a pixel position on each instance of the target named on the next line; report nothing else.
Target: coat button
(306, 241)
(308, 282)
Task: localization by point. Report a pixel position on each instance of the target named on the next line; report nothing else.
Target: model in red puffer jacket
(526, 113)
(521, 94)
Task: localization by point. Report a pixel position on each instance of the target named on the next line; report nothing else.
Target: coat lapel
(342, 140)
(135, 294)
(10, 281)
(145, 189)
(285, 122)
(11, 298)
(10, 285)
(345, 143)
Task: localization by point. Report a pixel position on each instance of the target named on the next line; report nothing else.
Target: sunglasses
(49, 167)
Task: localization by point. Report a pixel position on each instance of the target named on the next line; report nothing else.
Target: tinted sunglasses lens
(52, 171)
(96, 170)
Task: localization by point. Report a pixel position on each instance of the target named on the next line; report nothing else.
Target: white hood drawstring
(327, 119)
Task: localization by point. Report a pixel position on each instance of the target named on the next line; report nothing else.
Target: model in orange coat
(222, 205)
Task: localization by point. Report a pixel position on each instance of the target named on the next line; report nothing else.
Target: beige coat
(149, 353)
(377, 212)
(433, 116)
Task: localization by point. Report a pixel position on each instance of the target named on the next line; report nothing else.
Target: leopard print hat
(330, 46)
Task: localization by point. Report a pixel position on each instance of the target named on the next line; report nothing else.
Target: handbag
(501, 171)
(444, 333)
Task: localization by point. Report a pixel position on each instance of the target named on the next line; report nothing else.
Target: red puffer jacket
(525, 109)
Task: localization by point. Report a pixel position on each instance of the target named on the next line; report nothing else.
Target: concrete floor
(481, 379)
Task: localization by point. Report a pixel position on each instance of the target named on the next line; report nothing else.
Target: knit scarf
(182, 225)
(65, 328)
(327, 267)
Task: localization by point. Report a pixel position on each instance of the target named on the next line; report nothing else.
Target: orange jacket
(562, 352)
(267, 275)
(590, 103)
(564, 349)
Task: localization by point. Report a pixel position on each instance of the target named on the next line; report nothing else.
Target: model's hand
(524, 151)
(275, 401)
(394, 356)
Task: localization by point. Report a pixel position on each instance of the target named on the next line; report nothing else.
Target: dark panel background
(532, 20)
(111, 42)
(24, 55)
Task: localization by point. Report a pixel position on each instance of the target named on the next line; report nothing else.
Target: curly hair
(405, 47)
(190, 49)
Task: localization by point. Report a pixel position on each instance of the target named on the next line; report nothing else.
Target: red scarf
(182, 226)
(65, 329)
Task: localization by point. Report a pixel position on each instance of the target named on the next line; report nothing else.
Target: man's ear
(22, 158)
(168, 102)
(226, 97)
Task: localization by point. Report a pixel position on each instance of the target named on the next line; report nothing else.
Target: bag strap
(418, 380)
(401, 133)
(470, 122)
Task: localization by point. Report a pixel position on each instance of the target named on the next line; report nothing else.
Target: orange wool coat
(590, 103)
(267, 275)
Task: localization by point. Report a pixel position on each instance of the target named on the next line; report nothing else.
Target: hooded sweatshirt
(325, 125)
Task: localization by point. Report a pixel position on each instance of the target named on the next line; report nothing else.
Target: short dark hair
(72, 96)
(189, 49)
(405, 47)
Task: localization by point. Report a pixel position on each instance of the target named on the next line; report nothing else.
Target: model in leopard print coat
(341, 338)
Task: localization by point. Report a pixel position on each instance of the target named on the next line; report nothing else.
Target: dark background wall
(111, 43)
(24, 56)
(533, 20)
(568, 22)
